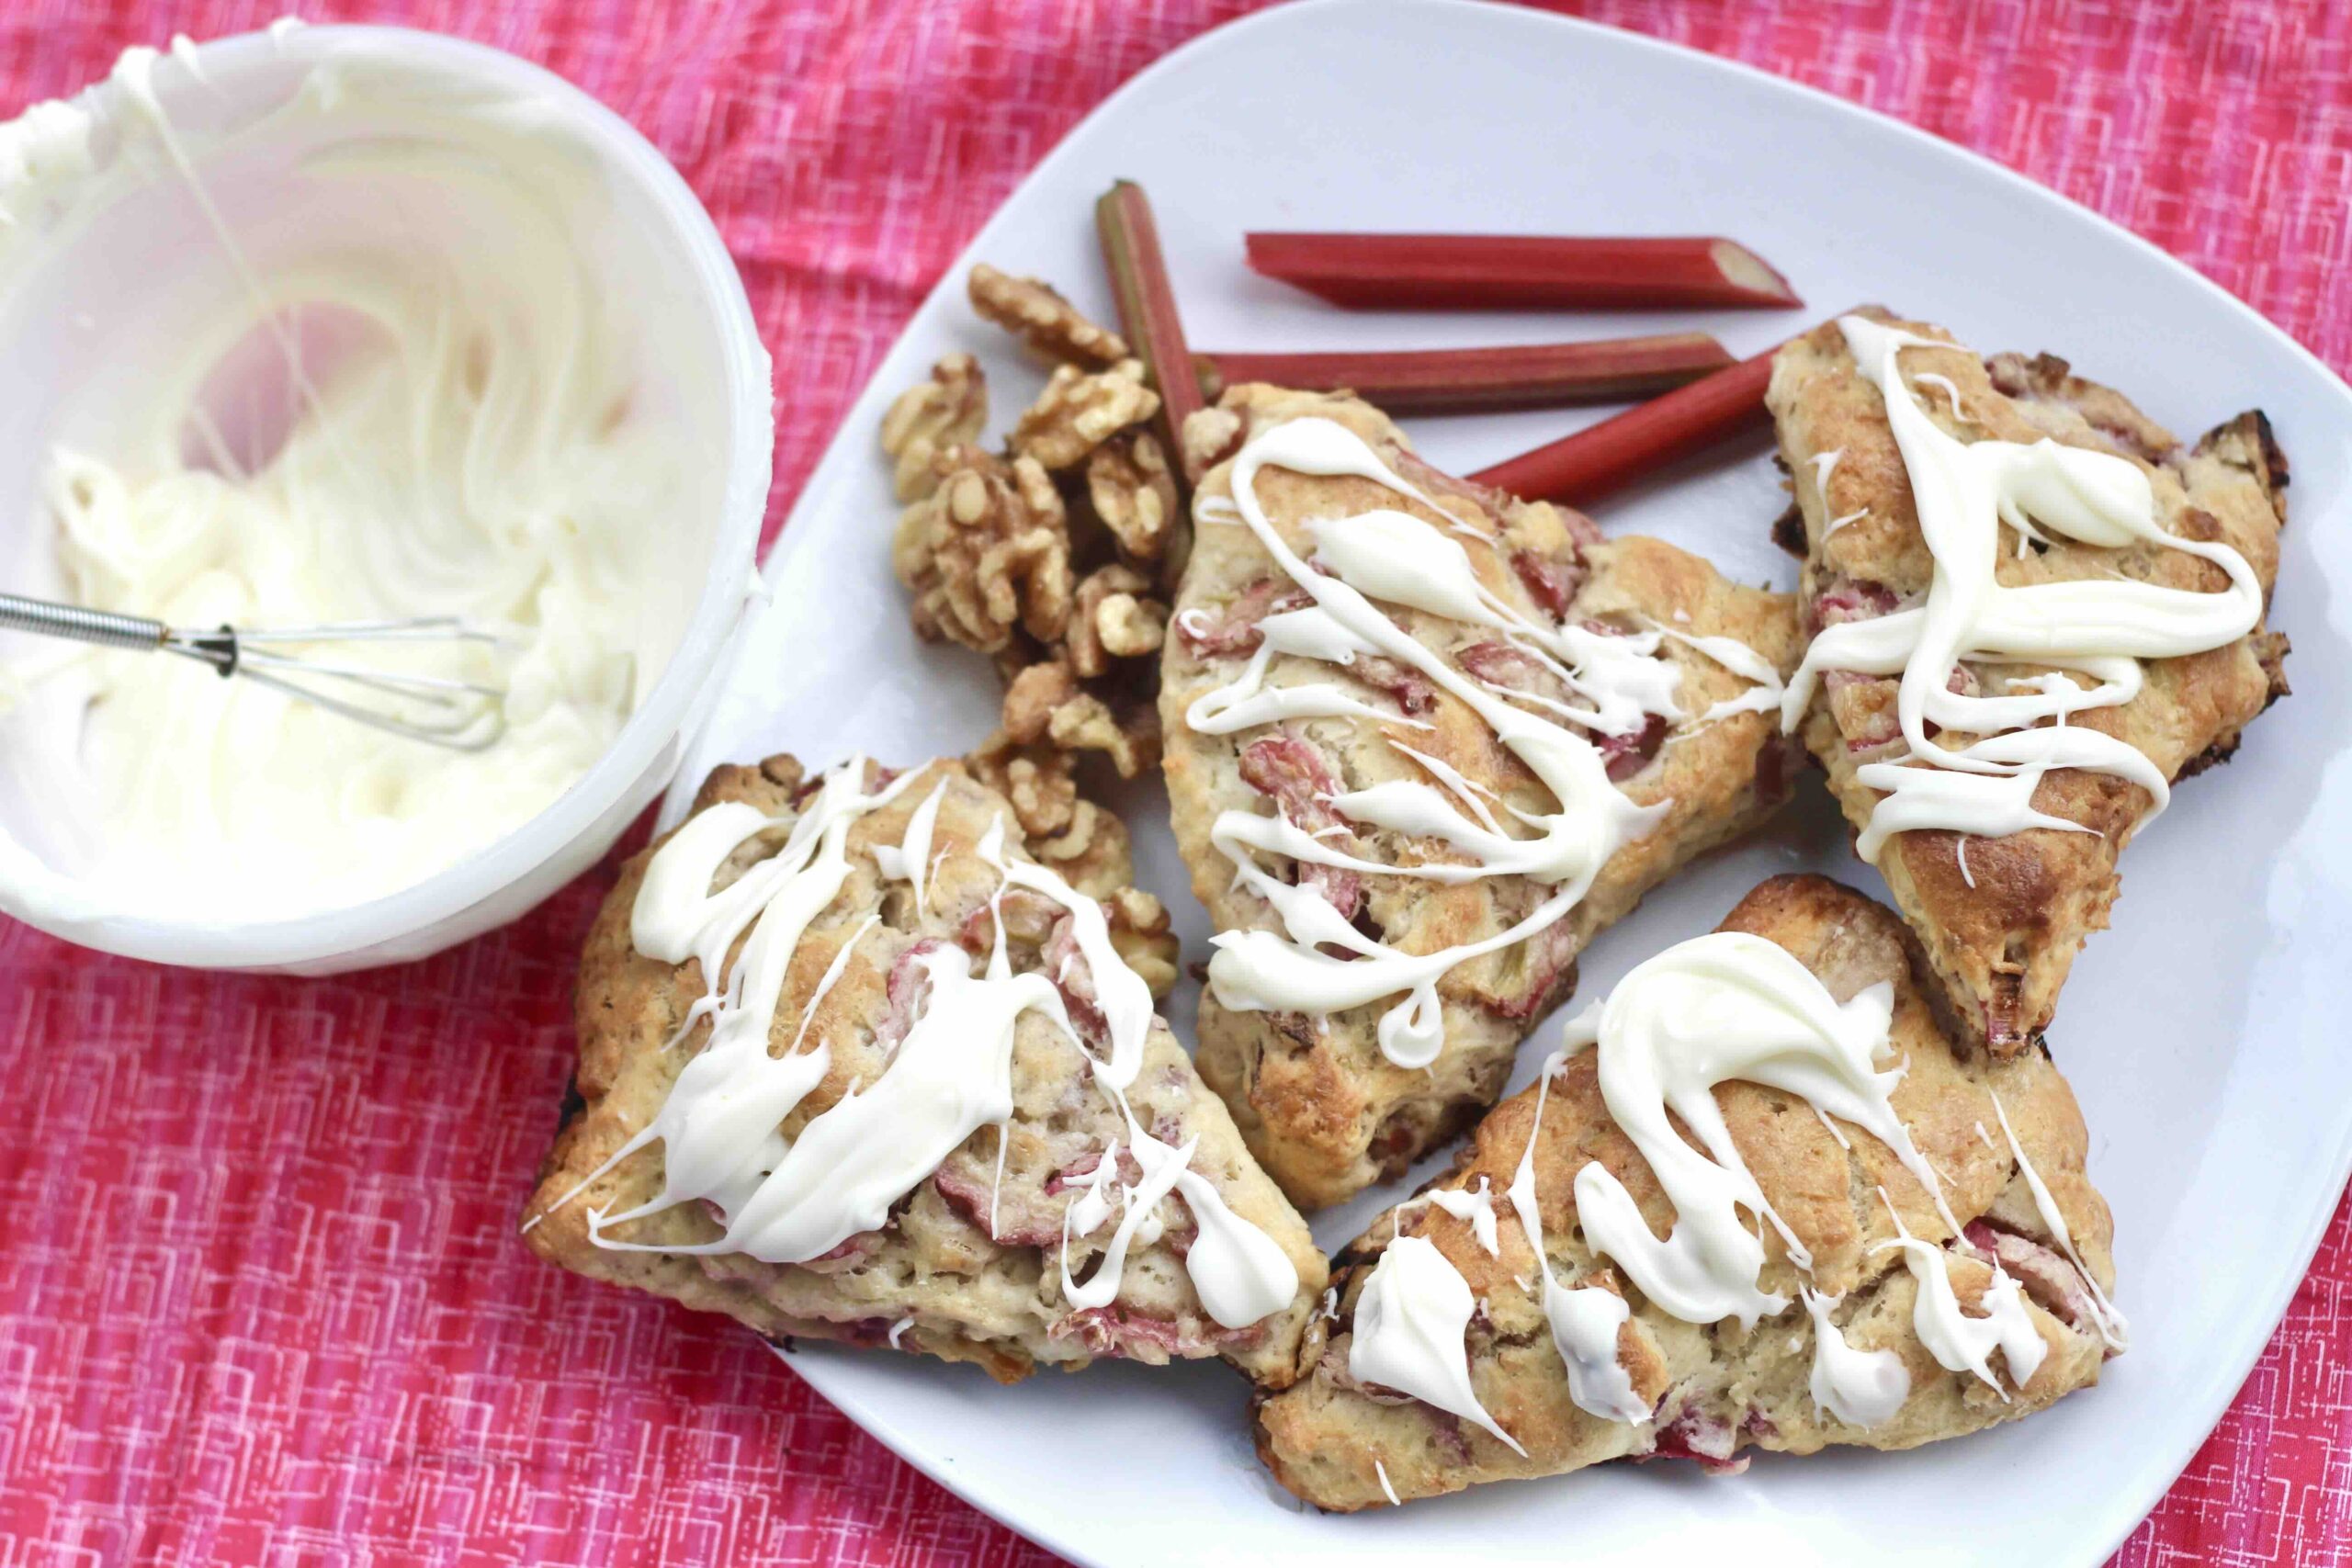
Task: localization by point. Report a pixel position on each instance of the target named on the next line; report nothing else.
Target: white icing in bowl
(348, 164)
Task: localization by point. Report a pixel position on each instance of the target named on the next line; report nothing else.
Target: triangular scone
(2002, 915)
(880, 1206)
(1506, 1346)
(1393, 759)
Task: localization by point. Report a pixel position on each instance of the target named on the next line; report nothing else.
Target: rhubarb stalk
(1148, 310)
(1520, 272)
(1484, 381)
(1582, 468)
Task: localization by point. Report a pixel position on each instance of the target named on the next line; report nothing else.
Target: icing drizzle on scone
(1722, 1007)
(790, 1201)
(2096, 628)
(1319, 963)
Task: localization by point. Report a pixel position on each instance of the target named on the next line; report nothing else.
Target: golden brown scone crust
(1322, 1108)
(964, 1296)
(1716, 1388)
(2002, 947)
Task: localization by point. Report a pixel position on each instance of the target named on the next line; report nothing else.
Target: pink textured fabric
(260, 1294)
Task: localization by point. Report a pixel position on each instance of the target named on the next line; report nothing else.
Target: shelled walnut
(1111, 617)
(1084, 844)
(986, 552)
(1045, 703)
(1133, 493)
(1051, 558)
(1078, 412)
(931, 417)
(1037, 780)
(1034, 312)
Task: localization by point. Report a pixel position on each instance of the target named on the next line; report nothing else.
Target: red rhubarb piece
(1147, 308)
(1520, 272)
(1582, 468)
(1487, 380)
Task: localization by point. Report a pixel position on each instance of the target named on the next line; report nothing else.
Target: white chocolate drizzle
(1618, 682)
(1823, 465)
(1585, 1321)
(2110, 1323)
(1960, 1343)
(1929, 378)
(791, 1200)
(1764, 683)
(1724, 1006)
(909, 859)
(1411, 1320)
(1728, 1006)
(1475, 1209)
(2095, 628)
(1861, 1387)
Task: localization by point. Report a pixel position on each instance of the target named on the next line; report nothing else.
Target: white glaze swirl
(2096, 628)
(788, 1201)
(459, 424)
(1722, 1007)
(1619, 683)
(1410, 1319)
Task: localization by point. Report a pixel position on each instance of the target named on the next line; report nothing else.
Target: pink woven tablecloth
(260, 1294)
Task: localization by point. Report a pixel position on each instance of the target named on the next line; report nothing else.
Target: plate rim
(2125, 1507)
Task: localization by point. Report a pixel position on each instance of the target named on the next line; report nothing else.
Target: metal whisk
(463, 716)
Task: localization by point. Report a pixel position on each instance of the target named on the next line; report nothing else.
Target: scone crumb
(1211, 437)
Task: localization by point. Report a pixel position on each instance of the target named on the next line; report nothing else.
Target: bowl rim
(669, 708)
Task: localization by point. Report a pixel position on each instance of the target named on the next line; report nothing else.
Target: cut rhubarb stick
(1148, 310)
(1485, 380)
(1583, 467)
(1520, 271)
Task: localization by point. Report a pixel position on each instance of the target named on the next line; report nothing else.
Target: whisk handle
(70, 620)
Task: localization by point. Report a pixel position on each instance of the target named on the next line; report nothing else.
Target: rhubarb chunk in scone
(2032, 610)
(1759, 1200)
(855, 1063)
(1422, 741)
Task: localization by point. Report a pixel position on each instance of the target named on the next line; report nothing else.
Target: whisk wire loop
(440, 710)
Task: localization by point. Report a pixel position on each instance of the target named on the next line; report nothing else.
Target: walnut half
(1044, 702)
(1030, 310)
(1111, 618)
(1132, 492)
(986, 551)
(1078, 412)
(930, 418)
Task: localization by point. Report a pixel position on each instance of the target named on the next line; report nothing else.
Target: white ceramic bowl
(77, 320)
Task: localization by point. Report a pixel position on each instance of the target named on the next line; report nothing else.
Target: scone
(2007, 679)
(1762, 1201)
(1422, 740)
(853, 1064)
